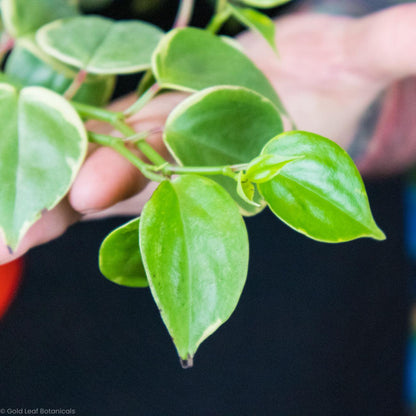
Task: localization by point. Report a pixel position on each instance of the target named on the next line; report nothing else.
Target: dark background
(320, 329)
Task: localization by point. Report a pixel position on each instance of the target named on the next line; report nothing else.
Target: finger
(52, 225)
(381, 44)
(105, 179)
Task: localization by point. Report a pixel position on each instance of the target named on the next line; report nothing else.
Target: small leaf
(22, 17)
(264, 4)
(222, 126)
(321, 194)
(195, 251)
(30, 70)
(44, 143)
(256, 21)
(265, 167)
(245, 189)
(110, 48)
(192, 59)
(120, 260)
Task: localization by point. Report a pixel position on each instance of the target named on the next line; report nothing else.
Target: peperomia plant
(232, 155)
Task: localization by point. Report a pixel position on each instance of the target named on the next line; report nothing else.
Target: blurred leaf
(29, 70)
(22, 17)
(256, 21)
(192, 59)
(110, 48)
(264, 4)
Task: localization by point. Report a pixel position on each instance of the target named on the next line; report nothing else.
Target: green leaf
(195, 251)
(321, 194)
(120, 260)
(30, 70)
(110, 48)
(192, 59)
(256, 21)
(22, 17)
(246, 190)
(265, 167)
(264, 4)
(44, 143)
(222, 126)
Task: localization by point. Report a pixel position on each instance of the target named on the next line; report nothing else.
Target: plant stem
(6, 45)
(221, 6)
(97, 113)
(202, 170)
(218, 20)
(159, 173)
(76, 84)
(116, 119)
(184, 14)
(142, 101)
(142, 145)
(118, 145)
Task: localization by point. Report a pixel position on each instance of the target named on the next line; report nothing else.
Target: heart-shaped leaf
(22, 17)
(120, 260)
(44, 143)
(321, 194)
(222, 126)
(30, 70)
(110, 48)
(192, 59)
(195, 251)
(256, 21)
(264, 4)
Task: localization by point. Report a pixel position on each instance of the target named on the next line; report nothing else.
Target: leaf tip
(378, 234)
(187, 362)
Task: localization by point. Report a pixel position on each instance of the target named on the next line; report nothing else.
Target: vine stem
(218, 20)
(76, 84)
(118, 145)
(221, 6)
(6, 45)
(161, 172)
(142, 145)
(117, 120)
(184, 14)
(143, 100)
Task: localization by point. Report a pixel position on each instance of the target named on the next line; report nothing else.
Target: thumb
(382, 44)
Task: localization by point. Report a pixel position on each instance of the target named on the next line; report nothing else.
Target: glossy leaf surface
(195, 251)
(22, 17)
(192, 59)
(320, 195)
(256, 21)
(110, 48)
(44, 143)
(265, 167)
(264, 4)
(222, 126)
(120, 260)
(30, 70)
